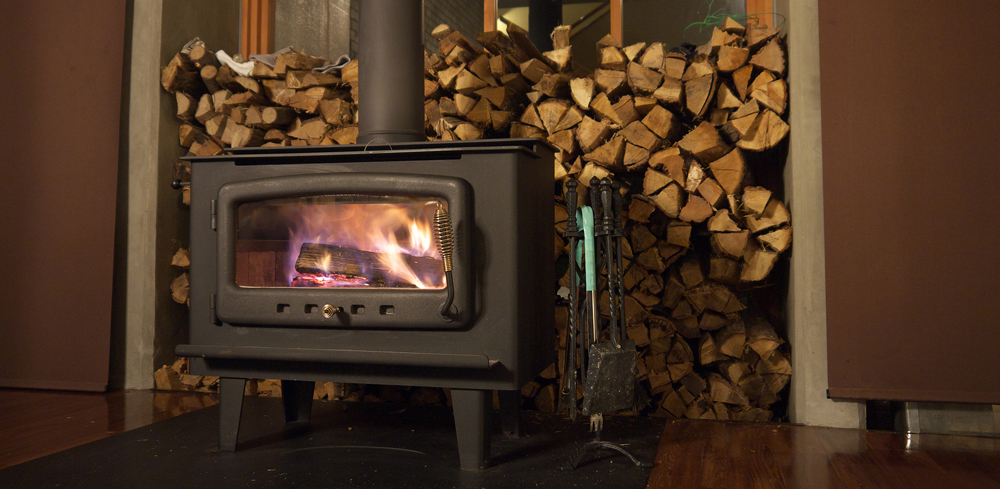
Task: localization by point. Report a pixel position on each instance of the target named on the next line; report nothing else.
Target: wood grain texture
(38, 423)
(711, 454)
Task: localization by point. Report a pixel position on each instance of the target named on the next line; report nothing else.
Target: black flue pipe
(390, 71)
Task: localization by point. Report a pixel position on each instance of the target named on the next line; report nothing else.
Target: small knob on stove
(329, 311)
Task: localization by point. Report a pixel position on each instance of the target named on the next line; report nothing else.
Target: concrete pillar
(804, 190)
(157, 221)
(143, 125)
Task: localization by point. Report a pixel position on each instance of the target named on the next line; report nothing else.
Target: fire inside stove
(339, 241)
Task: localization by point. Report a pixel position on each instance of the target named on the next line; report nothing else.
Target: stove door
(344, 250)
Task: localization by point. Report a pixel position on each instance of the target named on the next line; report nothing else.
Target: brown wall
(911, 199)
(60, 96)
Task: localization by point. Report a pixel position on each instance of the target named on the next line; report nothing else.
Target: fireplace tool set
(606, 360)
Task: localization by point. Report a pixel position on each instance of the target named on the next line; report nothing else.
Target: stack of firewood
(287, 105)
(176, 377)
(675, 127)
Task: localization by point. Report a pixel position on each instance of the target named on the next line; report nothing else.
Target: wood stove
(314, 263)
(250, 320)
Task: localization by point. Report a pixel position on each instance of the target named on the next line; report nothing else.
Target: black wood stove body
(250, 320)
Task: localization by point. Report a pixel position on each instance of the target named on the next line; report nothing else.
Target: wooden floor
(38, 423)
(692, 454)
(711, 454)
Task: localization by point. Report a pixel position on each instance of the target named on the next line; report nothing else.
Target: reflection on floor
(36, 423)
(691, 454)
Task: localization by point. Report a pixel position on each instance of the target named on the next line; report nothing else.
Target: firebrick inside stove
(320, 264)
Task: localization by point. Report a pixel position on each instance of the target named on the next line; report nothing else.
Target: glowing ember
(314, 280)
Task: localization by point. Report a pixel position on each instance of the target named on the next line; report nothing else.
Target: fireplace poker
(641, 399)
(606, 230)
(568, 395)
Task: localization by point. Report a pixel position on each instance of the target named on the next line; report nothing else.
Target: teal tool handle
(586, 218)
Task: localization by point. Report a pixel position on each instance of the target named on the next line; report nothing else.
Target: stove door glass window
(339, 241)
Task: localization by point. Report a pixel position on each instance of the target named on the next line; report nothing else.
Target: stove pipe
(390, 71)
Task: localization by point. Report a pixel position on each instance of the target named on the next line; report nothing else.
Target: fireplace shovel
(611, 371)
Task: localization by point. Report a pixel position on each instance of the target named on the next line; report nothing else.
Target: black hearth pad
(345, 445)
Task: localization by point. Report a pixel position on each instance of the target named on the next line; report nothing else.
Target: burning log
(317, 260)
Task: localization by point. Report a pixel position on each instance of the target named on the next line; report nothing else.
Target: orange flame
(394, 231)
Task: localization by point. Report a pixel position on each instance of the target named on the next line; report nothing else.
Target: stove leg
(472, 426)
(297, 396)
(510, 412)
(230, 407)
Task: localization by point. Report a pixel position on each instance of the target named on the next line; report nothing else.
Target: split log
(559, 59)
(612, 82)
(582, 91)
(310, 129)
(610, 155)
(323, 259)
(560, 36)
(441, 31)
(755, 199)
(721, 391)
(699, 92)
(187, 133)
(602, 106)
(695, 210)
(730, 245)
(670, 92)
(729, 171)
(761, 337)
(180, 289)
(732, 338)
(610, 55)
(591, 134)
(296, 61)
(186, 106)
(756, 36)
(480, 66)
(535, 69)
(741, 80)
(180, 75)
(638, 134)
(732, 58)
(625, 110)
(642, 79)
(705, 144)
(773, 95)
(502, 46)
(774, 215)
(778, 240)
(757, 263)
(722, 222)
(663, 123)
(299, 79)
